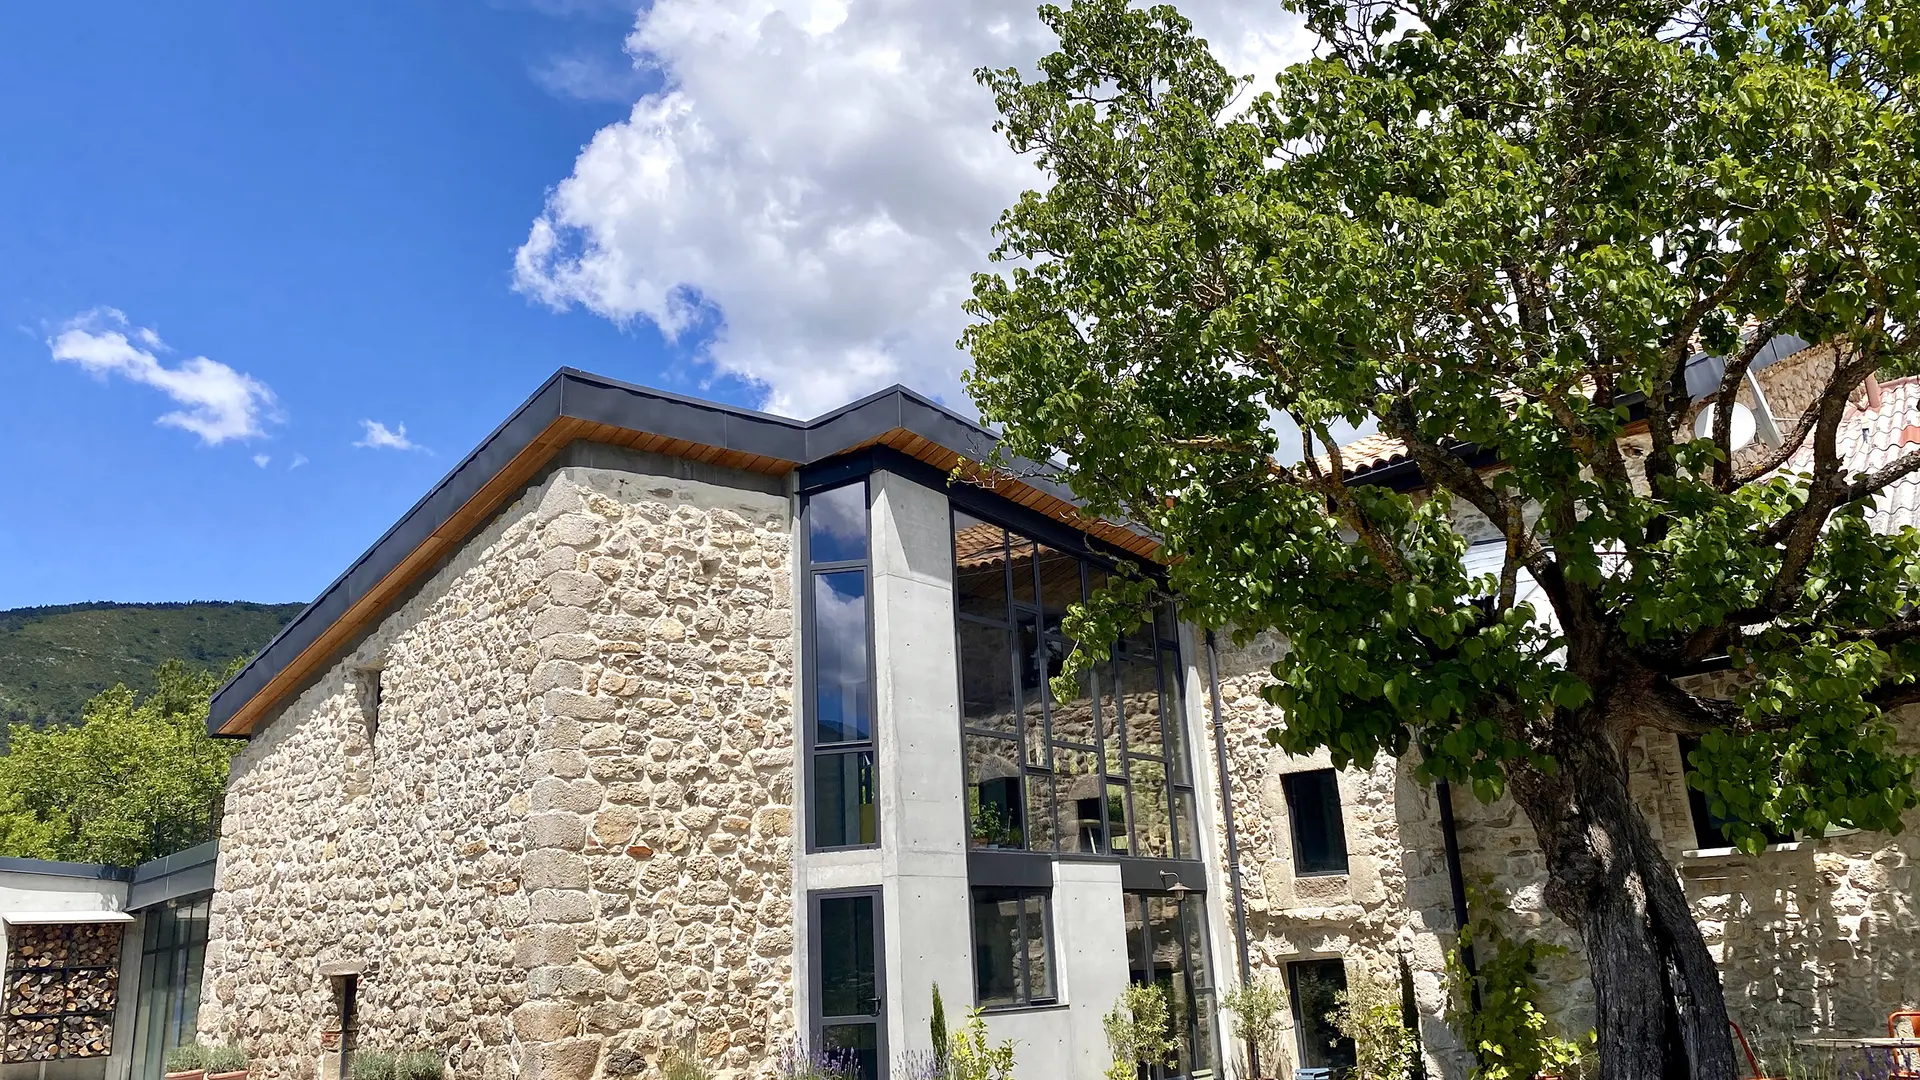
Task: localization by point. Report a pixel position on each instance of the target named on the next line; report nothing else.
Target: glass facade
(1167, 945)
(172, 955)
(840, 670)
(1103, 773)
(1012, 948)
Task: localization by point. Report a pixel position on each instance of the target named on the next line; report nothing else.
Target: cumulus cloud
(216, 402)
(262, 460)
(380, 437)
(809, 188)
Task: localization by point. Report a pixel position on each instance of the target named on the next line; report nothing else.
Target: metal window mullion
(1020, 952)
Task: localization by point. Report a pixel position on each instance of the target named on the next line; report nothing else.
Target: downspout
(1233, 839)
(1450, 837)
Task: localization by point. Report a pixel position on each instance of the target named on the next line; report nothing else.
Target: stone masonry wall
(1393, 905)
(568, 844)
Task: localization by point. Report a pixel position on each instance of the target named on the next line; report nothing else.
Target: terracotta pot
(190, 1074)
(240, 1075)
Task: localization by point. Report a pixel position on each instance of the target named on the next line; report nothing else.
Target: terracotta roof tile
(1870, 438)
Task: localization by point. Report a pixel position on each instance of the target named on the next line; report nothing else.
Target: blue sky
(412, 213)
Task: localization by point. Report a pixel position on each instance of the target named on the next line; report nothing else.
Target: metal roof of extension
(574, 405)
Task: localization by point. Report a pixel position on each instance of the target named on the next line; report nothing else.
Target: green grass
(52, 659)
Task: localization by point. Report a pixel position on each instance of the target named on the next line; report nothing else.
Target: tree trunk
(1661, 1012)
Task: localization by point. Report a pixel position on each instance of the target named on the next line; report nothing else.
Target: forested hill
(52, 659)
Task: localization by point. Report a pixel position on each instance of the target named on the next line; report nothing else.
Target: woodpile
(62, 984)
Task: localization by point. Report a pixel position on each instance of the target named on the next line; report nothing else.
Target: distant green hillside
(52, 659)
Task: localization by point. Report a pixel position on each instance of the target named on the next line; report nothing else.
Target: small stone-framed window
(1708, 826)
(1012, 948)
(369, 679)
(1319, 832)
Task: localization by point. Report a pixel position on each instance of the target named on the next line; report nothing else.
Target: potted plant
(1259, 1009)
(187, 1062)
(1139, 1029)
(226, 1063)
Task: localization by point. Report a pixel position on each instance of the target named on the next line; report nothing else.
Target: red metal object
(1902, 1063)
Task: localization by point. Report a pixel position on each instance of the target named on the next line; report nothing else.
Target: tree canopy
(1498, 230)
(137, 778)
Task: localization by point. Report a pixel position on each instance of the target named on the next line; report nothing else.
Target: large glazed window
(1105, 772)
(173, 946)
(839, 648)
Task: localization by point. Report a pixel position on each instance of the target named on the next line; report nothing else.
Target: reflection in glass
(837, 524)
(996, 810)
(1020, 557)
(1140, 707)
(841, 701)
(860, 1042)
(1175, 717)
(980, 568)
(1082, 800)
(1040, 814)
(1033, 690)
(1166, 946)
(1072, 720)
(1118, 834)
(1315, 987)
(1152, 825)
(996, 950)
(1183, 826)
(843, 812)
(1059, 583)
(986, 678)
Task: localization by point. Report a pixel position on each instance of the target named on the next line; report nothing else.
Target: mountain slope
(52, 659)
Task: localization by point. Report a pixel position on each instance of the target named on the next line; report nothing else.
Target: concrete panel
(1090, 962)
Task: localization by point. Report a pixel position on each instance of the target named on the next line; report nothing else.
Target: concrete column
(922, 770)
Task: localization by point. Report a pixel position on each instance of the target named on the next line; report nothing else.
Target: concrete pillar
(922, 770)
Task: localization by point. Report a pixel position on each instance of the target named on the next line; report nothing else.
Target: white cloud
(588, 77)
(813, 183)
(262, 460)
(298, 460)
(380, 437)
(217, 402)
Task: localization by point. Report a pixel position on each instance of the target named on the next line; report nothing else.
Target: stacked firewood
(61, 987)
(86, 1036)
(31, 1039)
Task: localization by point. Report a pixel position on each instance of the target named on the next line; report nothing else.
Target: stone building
(660, 723)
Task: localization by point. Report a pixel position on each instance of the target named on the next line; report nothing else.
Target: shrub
(1259, 1011)
(971, 1057)
(682, 1060)
(937, 1028)
(225, 1059)
(186, 1058)
(1368, 1011)
(797, 1062)
(1139, 1029)
(1508, 1034)
(371, 1065)
(419, 1065)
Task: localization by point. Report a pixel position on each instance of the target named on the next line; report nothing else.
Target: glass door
(848, 992)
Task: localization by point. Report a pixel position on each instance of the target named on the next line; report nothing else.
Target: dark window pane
(1119, 832)
(1152, 824)
(1315, 986)
(1033, 691)
(1319, 834)
(1040, 813)
(1174, 716)
(1082, 800)
(841, 700)
(1012, 963)
(847, 961)
(1184, 842)
(1059, 583)
(1039, 949)
(996, 949)
(837, 524)
(1021, 556)
(1166, 622)
(843, 811)
(986, 678)
(852, 1048)
(996, 808)
(1140, 707)
(1708, 827)
(980, 567)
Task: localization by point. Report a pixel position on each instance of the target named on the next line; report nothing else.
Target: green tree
(137, 778)
(1497, 229)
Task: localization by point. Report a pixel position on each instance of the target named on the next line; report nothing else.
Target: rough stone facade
(566, 843)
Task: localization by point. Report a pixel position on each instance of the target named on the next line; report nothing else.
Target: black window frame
(1340, 1053)
(1200, 1035)
(1291, 785)
(818, 1021)
(1706, 827)
(1155, 645)
(816, 750)
(1023, 974)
